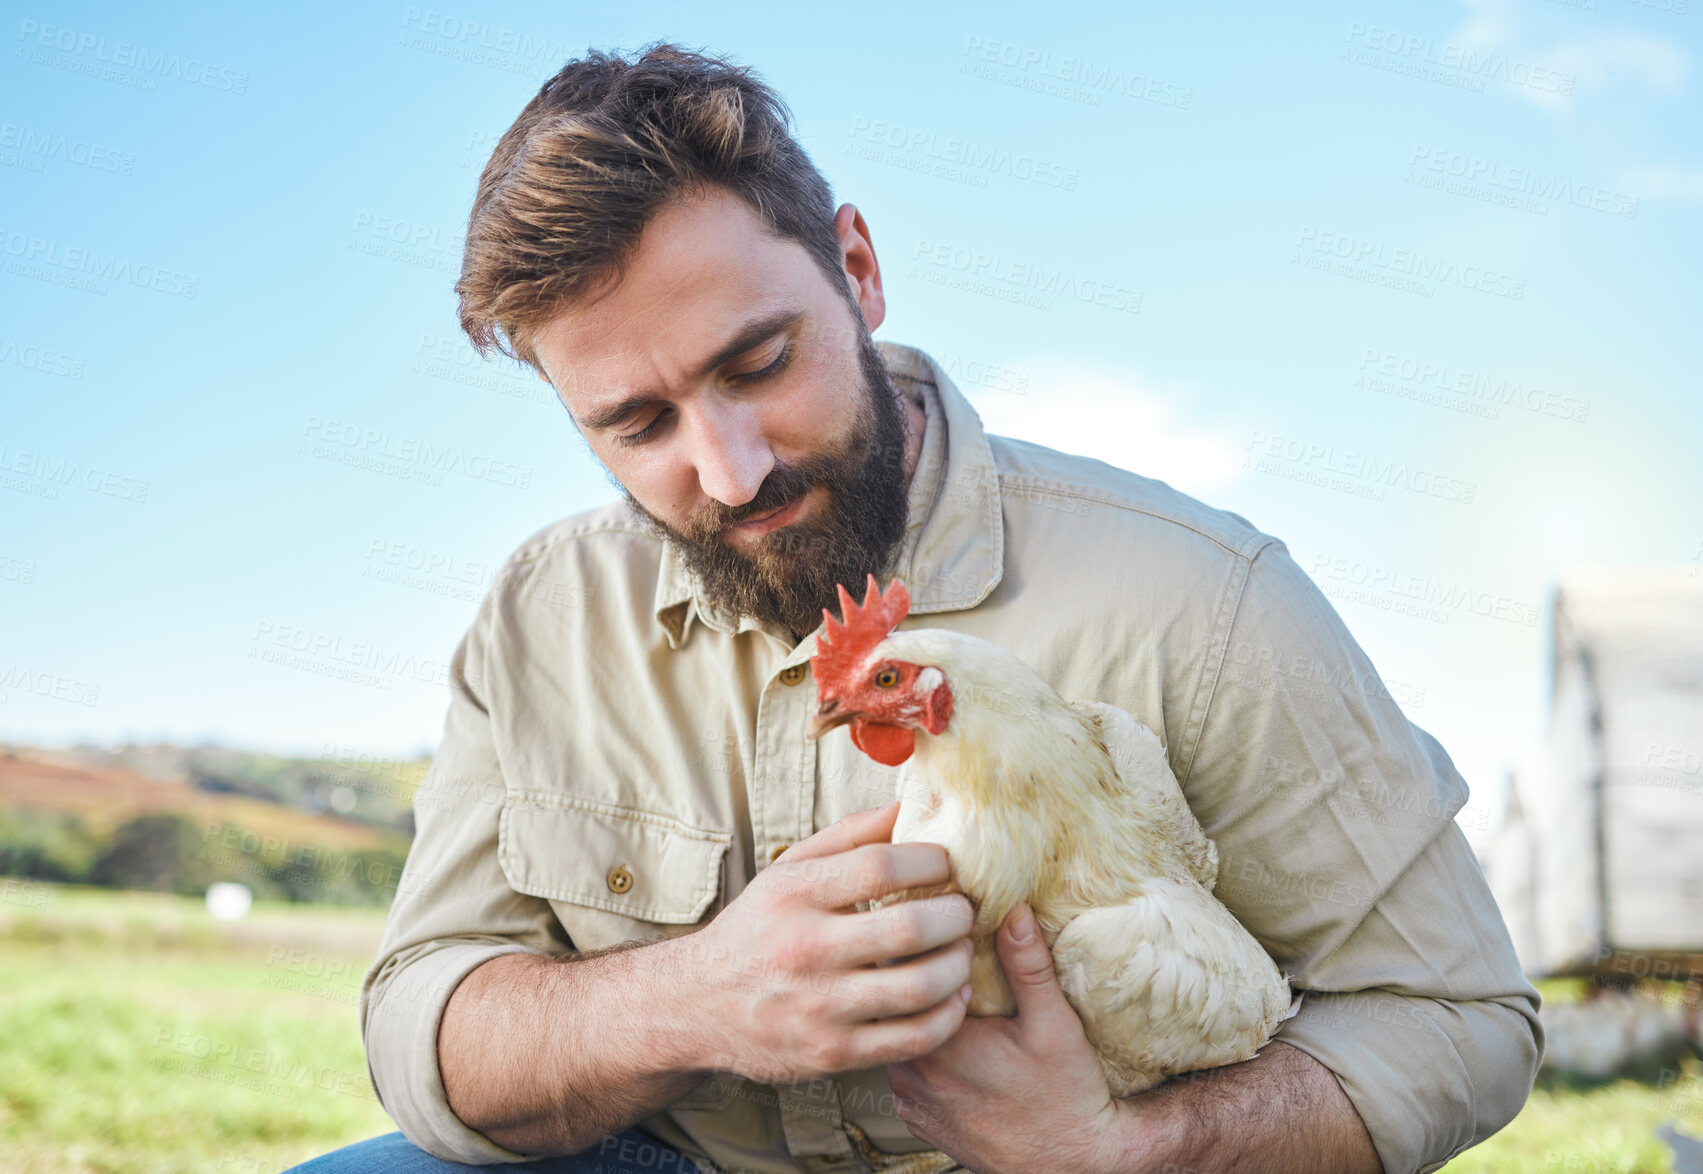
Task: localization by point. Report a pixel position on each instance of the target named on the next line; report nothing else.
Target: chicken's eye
(887, 678)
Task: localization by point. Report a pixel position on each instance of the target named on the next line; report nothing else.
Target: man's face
(739, 402)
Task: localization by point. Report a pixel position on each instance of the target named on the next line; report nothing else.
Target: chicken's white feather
(1074, 808)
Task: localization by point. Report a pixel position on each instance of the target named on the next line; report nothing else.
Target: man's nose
(732, 454)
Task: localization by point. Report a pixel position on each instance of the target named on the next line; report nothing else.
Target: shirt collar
(952, 554)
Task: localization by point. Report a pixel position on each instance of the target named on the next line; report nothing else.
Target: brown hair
(605, 144)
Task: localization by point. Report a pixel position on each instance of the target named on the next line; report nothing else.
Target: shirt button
(775, 852)
(620, 880)
(792, 674)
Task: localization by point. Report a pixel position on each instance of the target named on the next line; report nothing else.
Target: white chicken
(1072, 808)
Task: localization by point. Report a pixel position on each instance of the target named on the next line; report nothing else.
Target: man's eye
(642, 434)
(775, 367)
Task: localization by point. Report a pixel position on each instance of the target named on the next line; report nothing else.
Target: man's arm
(454, 912)
(472, 971)
(1282, 1111)
(1334, 820)
(1010, 1096)
(545, 1056)
(1366, 1050)
(477, 993)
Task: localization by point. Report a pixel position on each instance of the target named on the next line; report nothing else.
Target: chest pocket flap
(633, 863)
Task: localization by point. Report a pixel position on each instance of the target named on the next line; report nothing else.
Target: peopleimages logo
(42, 476)
(1521, 181)
(1352, 255)
(410, 457)
(1412, 378)
(480, 35)
(1446, 596)
(128, 55)
(974, 158)
(35, 147)
(1067, 76)
(25, 255)
(359, 662)
(46, 684)
(1013, 280)
(45, 360)
(1467, 63)
(1358, 474)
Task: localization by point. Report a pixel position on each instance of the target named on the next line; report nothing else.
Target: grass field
(138, 1036)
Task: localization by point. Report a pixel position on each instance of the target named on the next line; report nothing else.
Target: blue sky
(1412, 287)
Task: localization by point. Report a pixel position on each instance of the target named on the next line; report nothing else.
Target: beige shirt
(622, 756)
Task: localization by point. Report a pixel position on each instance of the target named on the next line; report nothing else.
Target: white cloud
(1666, 182)
(1113, 417)
(1623, 57)
(1600, 62)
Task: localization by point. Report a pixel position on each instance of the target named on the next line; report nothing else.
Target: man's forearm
(548, 1055)
(1281, 1111)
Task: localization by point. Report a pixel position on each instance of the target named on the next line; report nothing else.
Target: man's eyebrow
(748, 337)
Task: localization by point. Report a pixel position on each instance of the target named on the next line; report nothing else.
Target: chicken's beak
(829, 716)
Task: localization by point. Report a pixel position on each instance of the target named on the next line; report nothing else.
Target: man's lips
(774, 520)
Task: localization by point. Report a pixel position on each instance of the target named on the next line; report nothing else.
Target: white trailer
(1598, 861)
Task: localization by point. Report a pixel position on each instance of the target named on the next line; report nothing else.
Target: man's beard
(791, 574)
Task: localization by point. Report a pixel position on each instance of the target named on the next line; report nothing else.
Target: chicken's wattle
(888, 745)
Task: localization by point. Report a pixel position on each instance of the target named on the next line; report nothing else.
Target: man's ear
(863, 271)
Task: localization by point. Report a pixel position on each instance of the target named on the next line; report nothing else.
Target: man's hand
(792, 973)
(1020, 1094)
(1005, 1096)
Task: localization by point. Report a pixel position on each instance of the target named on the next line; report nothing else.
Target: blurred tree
(160, 851)
(45, 846)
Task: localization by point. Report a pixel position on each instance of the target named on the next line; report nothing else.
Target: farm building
(1598, 861)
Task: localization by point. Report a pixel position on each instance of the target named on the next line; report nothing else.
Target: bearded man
(634, 924)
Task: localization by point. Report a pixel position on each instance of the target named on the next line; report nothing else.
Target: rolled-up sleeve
(454, 911)
(1334, 819)
(1467, 1061)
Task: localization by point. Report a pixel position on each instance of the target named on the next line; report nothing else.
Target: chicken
(1072, 808)
(1615, 1033)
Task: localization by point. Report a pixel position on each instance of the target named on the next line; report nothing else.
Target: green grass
(1579, 1127)
(138, 1036)
(1602, 1130)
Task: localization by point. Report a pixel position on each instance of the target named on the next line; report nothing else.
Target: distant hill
(354, 788)
(40, 780)
(65, 819)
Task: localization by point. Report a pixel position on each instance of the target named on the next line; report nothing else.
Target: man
(634, 871)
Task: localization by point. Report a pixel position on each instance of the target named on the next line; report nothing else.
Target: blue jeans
(632, 1151)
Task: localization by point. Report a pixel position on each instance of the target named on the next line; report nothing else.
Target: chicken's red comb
(842, 645)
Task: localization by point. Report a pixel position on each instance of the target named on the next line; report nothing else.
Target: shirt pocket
(613, 874)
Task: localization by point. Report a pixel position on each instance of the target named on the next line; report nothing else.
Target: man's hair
(602, 148)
